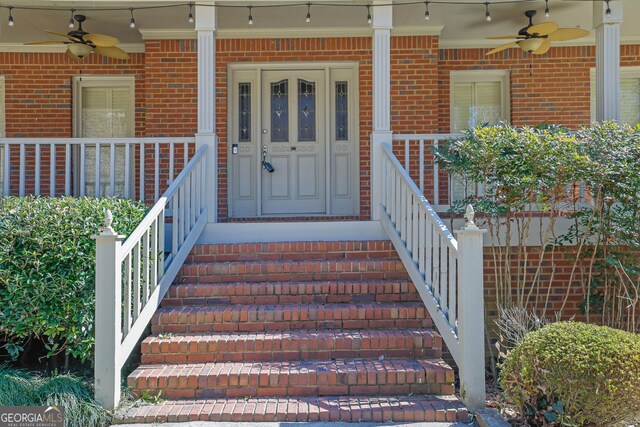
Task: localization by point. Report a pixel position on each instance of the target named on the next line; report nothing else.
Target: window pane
(280, 111)
(306, 110)
(462, 104)
(630, 101)
(476, 103)
(244, 116)
(342, 113)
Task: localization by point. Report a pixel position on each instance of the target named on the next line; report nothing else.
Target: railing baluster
(186, 154)
(67, 170)
(175, 222)
(98, 155)
(422, 242)
(7, 167)
(192, 200)
(136, 281)
(52, 170)
(406, 155)
(23, 170)
(436, 178)
(142, 172)
(453, 289)
(112, 169)
(156, 174)
(38, 164)
(428, 256)
(436, 263)
(444, 277)
(160, 232)
(83, 166)
(403, 215)
(409, 222)
(155, 255)
(171, 160)
(181, 221)
(127, 170)
(145, 266)
(415, 221)
(126, 295)
(421, 160)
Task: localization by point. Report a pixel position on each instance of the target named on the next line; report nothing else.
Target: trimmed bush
(576, 374)
(47, 269)
(20, 388)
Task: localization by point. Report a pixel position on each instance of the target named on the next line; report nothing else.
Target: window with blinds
(104, 108)
(629, 95)
(477, 97)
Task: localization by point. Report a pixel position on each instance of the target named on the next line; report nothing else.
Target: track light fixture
(427, 16)
(250, 19)
(487, 14)
(190, 18)
(132, 21)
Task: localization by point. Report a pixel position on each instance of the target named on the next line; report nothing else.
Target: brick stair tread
(290, 292)
(255, 318)
(320, 344)
(295, 378)
(300, 409)
(288, 270)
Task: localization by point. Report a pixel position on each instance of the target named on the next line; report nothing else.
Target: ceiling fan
(82, 43)
(536, 38)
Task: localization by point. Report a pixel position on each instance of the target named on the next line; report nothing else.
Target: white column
(108, 329)
(607, 59)
(382, 14)
(206, 30)
(471, 313)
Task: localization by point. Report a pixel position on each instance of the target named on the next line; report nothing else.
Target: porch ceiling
(462, 25)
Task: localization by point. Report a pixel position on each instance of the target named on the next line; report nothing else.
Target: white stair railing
(447, 272)
(133, 276)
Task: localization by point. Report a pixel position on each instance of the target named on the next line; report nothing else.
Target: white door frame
(258, 68)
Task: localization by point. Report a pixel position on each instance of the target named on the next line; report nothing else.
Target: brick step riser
(287, 325)
(407, 409)
(191, 357)
(290, 299)
(390, 390)
(292, 251)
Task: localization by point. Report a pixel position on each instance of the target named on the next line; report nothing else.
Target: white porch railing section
(133, 276)
(69, 166)
(447, 272)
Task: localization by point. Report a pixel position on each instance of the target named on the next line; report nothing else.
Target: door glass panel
(306, 110)
(342, 113)
(280, 111)
(244, 116)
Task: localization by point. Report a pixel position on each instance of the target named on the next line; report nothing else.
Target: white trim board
(291, 232)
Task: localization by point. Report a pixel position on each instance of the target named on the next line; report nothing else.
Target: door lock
(266, 165)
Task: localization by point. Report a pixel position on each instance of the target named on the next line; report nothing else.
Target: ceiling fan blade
(66, 36)
(543, 28)
(564, 34)
(50, 42)
(501, 48)
(72, 57)
(101, 40)
(112, 52)
(544, 48)
(504, 37)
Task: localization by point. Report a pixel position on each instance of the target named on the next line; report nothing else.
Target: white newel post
(471, 313)
(607, 28)
(382, 23)
(206, 30)
(108, 329)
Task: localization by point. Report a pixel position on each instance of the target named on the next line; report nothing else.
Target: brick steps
(300, 409)
(292, 345)
(279, 317)
(295, 378)
(293, 271)
(320, 292)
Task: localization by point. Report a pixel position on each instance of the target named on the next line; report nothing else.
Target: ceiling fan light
(80, 50)
(531, 45)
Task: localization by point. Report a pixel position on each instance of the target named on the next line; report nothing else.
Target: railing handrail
(446, 233)
(150, 217)
(79, 141)
(425, 136)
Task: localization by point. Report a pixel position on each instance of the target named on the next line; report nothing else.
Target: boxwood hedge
(47, 256)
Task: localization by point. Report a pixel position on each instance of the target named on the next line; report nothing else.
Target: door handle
(266, 165)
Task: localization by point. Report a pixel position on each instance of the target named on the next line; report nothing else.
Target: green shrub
(19, 388)
(575, 374)
(47, 271)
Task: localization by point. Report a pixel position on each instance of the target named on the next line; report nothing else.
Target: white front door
(293, 142)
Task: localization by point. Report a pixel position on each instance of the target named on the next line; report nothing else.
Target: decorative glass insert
(306, 110)
(280, 111)
(244, 113)
(342, 111)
